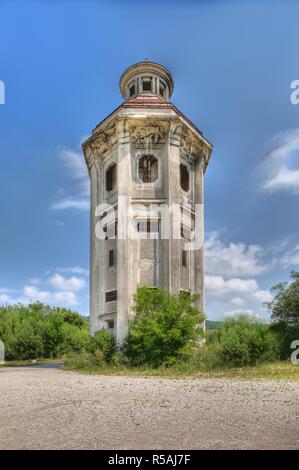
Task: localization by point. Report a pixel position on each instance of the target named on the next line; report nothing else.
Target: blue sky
(232, 62)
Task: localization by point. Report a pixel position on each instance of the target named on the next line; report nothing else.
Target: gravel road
(46, 408)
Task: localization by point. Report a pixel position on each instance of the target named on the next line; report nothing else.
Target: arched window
(111, 177)
(184, 178)
(148, 169)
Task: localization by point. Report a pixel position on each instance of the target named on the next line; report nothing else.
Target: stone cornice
(147, 132)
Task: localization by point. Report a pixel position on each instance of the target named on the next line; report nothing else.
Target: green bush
(73, 339)
(245, 341)
(92, 361)
(83, 360)
(103, 341)
(208, 358)
(37, 330)
(165, 327)
(25, 344)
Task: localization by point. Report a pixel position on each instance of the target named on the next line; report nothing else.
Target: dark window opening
(111, 177)
(132, 89)
(184, 178)
(111, 258)
(148, 169)
(186, 233)
(184, 258)
(111, 295)
(110, 231)
(110, 324)
(146, 84)
(148, 226)
(184, 293)
(162, 89)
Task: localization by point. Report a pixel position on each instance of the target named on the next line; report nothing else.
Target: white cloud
(231, 296)
(291, 258)
(73, 270)
(230, 281)
(61, 283)
(4, 299)
(283, 179)
(35, 281)
(59, 223)
(76, 168)
(219, 286)
(235, 312)
(263, 296)
(75, 163)
(234, 259)
(71, 203)
(33, 294)
(237, 301)
(57, 290)
(7, 291)
(280, 165)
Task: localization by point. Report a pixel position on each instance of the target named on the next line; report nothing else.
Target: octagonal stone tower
(145, 160)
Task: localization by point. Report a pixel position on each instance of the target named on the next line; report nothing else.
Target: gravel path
(45, 408)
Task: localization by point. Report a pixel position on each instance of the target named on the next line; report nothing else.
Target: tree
(284, 310)
(37, 330)
(285, 305)
(165, 327)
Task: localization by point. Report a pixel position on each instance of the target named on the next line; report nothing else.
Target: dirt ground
(46, 408)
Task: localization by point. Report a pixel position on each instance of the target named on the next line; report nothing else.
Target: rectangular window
(111, 295)
(162, 89)
(110, 231)
(111, 258)
(148, 226)
(186, 233)
(110, 324)
(184, 258)
(146, 84)
(132, 89)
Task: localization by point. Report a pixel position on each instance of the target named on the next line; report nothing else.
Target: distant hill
(212, 325)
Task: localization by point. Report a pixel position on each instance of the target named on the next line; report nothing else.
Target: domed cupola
(148, 79)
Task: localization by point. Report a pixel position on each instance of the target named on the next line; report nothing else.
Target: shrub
(165, 327)
(208, 358)
(82, 360)
(73, 339)
(38, 330)
(91, 361)
(103, 341)
(244, 340)
(25, 344)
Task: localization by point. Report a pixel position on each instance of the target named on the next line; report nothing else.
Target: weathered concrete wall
(158, 263)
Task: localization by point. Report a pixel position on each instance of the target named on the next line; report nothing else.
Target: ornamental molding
(104, 141)
(151, 132)
(192, 147)
(89, 156)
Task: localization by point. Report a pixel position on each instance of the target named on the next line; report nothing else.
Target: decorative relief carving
(206, 153)
(105, 140)
(193, 148)
(175, 131)
(89, 156)
(187, 146)
(148, 134)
